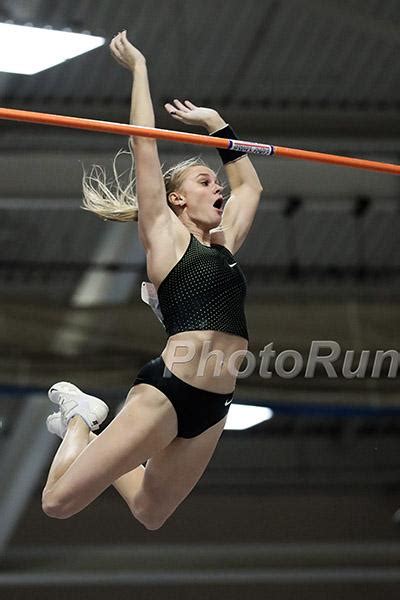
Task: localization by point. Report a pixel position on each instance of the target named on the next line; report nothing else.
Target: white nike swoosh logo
(233, 264)
(228, 402)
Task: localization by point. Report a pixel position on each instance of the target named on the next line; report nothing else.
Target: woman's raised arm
(243, 180)
(154, 212)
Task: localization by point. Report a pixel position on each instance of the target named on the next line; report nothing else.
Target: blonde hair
(114, 200)
(110, 199)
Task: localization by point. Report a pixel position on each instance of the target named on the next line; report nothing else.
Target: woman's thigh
(146, 424)
(173, 472)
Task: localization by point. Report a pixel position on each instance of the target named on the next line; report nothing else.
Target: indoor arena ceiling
(276, 65)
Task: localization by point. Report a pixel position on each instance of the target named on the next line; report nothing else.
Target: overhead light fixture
(243, 416)
(28, 50)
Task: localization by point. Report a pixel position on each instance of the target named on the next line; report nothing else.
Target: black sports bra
(205, 290)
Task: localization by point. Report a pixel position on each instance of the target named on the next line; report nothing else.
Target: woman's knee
(148, 513)
(53, 506)
(151, 521)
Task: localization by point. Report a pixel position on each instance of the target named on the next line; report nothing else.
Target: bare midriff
(208, 360)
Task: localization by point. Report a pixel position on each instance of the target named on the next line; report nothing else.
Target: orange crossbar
(193, 138)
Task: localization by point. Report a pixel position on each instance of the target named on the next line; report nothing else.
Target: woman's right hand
(125, 53)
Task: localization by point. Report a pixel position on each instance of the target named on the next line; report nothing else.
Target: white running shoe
(73, 401)
(54, 424)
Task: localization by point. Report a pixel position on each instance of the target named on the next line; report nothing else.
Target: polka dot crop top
(205, 290)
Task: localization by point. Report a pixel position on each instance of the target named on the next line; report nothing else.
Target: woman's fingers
(115, 39)
(126, 51)
(181, 106)
(118, 44)
(114, 45)
(169, 108)
(120, 50)
(173, 111)
(124, 44)
(123, 40)
(116, 53)
(190, 104)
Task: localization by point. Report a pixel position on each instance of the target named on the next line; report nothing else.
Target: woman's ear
(175, 199)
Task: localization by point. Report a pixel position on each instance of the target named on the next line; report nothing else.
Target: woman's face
(201, 192)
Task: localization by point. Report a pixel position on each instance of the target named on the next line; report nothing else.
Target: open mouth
(218, 203)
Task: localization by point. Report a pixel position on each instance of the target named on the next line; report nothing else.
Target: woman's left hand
(189, 113)
(125, 53)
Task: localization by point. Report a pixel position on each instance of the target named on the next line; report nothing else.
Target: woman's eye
(205, 182)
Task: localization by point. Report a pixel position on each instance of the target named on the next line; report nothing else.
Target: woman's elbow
(255, 186)
(257, 189)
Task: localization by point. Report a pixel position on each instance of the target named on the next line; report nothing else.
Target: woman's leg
(153, 493)
(171, 475)
(82, 470)
(128, 484)
(76, 438)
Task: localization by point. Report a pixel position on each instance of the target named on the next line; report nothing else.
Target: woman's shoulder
(166, 252)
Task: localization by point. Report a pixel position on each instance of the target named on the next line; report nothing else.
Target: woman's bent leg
(145, 425)
(128, 484)
(75, 440)
(153, 493)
